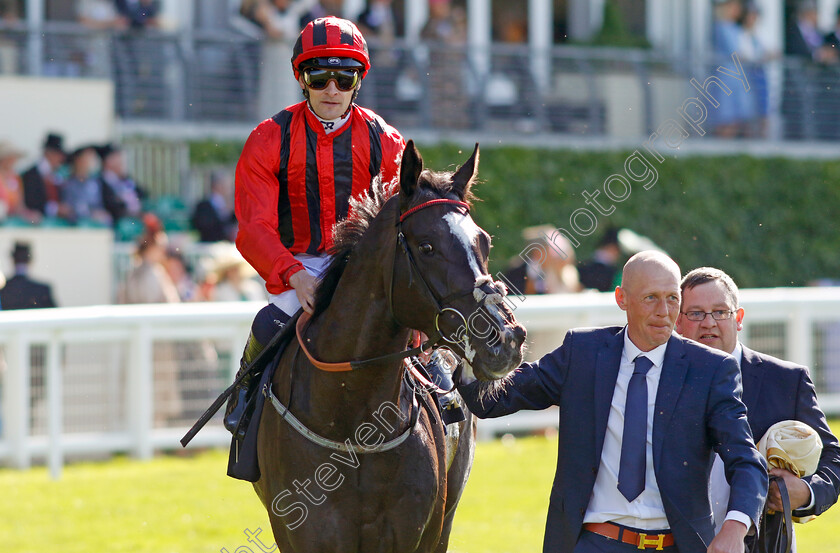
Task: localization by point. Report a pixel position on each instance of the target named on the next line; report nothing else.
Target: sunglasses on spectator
(319, 79)
(698, 316)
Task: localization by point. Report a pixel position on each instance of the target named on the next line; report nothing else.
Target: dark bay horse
(359, 462)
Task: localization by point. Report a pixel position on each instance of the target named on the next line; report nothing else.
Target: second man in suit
(774, 390)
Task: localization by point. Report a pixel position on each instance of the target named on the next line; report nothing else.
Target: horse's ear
(465, 175)
(410, 169)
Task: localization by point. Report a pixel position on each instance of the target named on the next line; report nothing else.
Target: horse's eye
(426, 248)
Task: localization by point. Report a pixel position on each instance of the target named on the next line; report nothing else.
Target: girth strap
(346, 445)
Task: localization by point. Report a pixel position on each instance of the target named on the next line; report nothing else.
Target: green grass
(188, 505)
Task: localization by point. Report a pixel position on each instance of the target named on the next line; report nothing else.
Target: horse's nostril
(519, 334)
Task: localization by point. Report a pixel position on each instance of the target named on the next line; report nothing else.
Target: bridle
(441, 306)
(440, 303)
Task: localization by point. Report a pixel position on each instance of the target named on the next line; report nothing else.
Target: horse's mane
(363, 209)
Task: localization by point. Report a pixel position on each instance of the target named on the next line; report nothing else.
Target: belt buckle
(657, 540)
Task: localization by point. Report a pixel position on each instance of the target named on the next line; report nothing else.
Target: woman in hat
(11, 188)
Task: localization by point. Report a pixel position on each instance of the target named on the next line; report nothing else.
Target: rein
(353, 365)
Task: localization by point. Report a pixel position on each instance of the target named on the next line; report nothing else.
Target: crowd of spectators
(88, 186)
(163, 274)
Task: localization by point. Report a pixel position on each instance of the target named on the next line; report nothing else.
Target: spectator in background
(735, 110)
(148, 281)
(11, 13)
(20, 291)
(82, 191)
(803, 38)
(213, 216)
(321, 8)
(445, 34)
(832, 39)
(235, 280)
(101, 15)
(754, 55)
(280, 21)
(181, 274)
(546, 265)
(42, 183)
(805, 94)
(831, 124)
(601, 271)
(140, 14)
(11, 188)
(121, 197)
(378, 22)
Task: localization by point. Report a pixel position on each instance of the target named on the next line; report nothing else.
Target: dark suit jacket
(210, 225)
(697, 409)
(776, 390)
(21, 292)
(34, 189)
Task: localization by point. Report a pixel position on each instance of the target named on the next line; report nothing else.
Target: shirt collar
(738, 353)
(330, 125)
(656, 355)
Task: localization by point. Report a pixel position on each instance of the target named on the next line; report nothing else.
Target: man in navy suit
(621, 487)
(774, 390)
(20, 291)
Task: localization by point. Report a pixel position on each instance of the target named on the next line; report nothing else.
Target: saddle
(242, 459)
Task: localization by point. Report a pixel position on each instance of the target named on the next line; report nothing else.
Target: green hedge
(766, 221)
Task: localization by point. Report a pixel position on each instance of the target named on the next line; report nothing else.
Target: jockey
(296, 175)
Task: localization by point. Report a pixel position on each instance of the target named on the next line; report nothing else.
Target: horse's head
(441, 284)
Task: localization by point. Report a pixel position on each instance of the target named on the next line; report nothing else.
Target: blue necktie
(632, 467)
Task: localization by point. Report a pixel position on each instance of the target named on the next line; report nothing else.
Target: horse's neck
(358, 325)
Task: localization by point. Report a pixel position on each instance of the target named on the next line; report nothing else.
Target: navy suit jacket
(21, 292)
(698, 409)
(776, 390)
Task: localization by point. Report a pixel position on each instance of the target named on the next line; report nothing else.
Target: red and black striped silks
(294, 182)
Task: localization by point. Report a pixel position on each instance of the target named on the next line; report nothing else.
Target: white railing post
(799, 347)
(140, 391)
(16, 423)
(55, 408)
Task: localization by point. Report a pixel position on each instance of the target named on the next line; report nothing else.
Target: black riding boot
(241, 396)
(440, 367)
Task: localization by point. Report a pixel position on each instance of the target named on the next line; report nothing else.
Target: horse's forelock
(439, 183)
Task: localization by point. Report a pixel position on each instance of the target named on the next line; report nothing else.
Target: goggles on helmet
(318, 79)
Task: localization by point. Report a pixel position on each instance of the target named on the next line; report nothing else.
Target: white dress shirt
(646, 512)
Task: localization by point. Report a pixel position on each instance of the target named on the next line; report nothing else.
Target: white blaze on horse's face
(464, 229)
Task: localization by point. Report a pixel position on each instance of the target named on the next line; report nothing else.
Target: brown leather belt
(625, 535)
